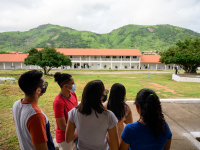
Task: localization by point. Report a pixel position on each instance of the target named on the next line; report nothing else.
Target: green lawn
(9, 93)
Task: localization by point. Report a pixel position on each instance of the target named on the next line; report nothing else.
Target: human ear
(138, 108)
(38, 90)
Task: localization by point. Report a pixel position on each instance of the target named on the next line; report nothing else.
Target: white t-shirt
(92, 130)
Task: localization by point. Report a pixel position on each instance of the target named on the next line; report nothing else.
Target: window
(127, 56)
(114, 57)
(134, 56)
(70, 56)
(107, 56)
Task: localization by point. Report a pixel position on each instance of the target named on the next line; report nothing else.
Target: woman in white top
(92, 121)
(116, 103)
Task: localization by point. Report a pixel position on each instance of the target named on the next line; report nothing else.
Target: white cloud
(101, 16)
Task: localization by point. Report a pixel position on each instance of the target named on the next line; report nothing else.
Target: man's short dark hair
(30, 81)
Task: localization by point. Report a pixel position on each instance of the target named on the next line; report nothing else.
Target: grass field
(9, 93)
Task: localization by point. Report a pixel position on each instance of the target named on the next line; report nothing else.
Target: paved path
(117, 72)
(182, 119)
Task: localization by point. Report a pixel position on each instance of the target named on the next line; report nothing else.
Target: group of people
(97, 123)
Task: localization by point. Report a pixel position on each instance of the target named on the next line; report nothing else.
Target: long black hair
(91, 98)
(151, 111)
(116, 101)
(62, 78)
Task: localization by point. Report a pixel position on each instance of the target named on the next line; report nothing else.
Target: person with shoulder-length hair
(92, 120)
(151, 130)
(117, 104)
(63, 103)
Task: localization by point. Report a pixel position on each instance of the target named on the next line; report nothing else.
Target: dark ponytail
(62, 78)
(151, 111)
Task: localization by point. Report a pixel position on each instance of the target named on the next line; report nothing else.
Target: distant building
(94, 59)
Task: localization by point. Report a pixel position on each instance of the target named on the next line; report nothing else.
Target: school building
(94, 59)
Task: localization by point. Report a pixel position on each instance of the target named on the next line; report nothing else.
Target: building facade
(94, 59)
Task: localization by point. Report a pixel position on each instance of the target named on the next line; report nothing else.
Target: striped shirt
(32, 125)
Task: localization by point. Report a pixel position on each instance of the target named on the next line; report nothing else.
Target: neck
(141, 120)
(65, 93)
(28, 99)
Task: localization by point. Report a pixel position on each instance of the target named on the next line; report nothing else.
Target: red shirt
(61, 108)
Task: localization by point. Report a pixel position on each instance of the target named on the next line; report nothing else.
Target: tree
(47, 59)
(184, 53)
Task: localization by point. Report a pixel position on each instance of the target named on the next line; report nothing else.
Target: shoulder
(105, 105)
(128, 109)
(57, 97)
(16, 103)
(110, 114)
(133, 126)
(73, 111)
(73, 94)
(58, 100)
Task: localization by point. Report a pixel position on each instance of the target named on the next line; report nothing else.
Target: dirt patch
(112, 76)
(160, 87)
(8, 90)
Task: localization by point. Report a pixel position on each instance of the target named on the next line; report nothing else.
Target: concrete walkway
(182, 119)
(90, 72)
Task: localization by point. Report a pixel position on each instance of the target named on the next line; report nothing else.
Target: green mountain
(142, 37)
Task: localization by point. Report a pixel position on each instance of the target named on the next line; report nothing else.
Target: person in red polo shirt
(63, 103)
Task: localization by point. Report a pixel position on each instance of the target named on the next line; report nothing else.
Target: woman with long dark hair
(117, 104)
(151, 130)
(63, 103)
(92, 120)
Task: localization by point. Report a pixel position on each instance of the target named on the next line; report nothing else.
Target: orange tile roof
(98, 52)
(12, 57)
(150, 58)
(21, 57)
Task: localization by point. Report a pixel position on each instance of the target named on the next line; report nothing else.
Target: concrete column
(89, 63)
(156, 66)
(121, 64)
(173, 66)
(30, 66)
(4, 65)
(130, 62)
(148, 66)
(165, 67)
(12, 66)
(111, 62)
(100, 62)
(21, 65)
(80, 62)
(139, 62)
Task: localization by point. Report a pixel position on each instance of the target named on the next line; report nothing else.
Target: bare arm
(124, 146)
(69, 134)
(113, 137)
(129, 118)
(168, 144)
(42, 146)
(62, 123)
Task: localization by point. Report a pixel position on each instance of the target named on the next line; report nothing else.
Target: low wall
(184, 79)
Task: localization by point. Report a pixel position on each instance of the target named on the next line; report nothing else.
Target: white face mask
(73, 88)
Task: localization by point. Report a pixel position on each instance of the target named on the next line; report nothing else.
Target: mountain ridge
(142, 37)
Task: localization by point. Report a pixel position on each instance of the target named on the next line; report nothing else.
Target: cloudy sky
(100, 16)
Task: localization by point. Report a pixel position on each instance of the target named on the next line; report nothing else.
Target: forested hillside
(144, 38)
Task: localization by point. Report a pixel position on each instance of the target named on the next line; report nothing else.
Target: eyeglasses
(107, 91)
(45, 84)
